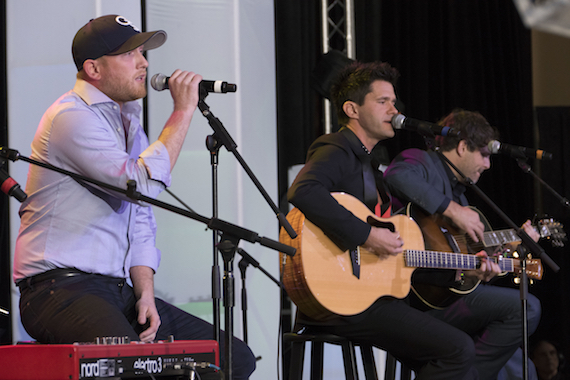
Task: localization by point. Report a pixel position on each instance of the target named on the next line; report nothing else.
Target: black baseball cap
(111, 35)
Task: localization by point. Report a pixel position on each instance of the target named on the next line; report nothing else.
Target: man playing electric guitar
(427, 181)
(364, 98)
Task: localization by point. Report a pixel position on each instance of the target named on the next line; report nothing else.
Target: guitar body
(440, 235)
(319, 278)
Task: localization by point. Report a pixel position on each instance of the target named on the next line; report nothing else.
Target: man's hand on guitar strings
(466, 219)
(487, 268)
(384, 242)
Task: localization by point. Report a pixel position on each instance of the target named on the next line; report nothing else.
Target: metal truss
(337, 21)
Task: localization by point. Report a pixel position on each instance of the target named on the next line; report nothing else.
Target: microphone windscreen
(398, 121)
(159, 82)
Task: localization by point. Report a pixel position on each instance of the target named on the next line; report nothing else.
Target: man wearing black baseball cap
(111, 35)
(85, 257)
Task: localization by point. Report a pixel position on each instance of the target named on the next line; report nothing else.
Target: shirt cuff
(443, 206)
(145, 256)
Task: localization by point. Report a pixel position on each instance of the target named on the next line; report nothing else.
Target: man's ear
(461, 148)
(349, 108)
(92, 69)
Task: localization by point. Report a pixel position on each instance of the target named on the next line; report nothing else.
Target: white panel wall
(233, 41)
(229, 40)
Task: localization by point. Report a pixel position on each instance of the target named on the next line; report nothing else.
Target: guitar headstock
(552, 230)
(534, 269)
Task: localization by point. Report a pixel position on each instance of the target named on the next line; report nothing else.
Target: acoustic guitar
(320, 278)
(440, 233)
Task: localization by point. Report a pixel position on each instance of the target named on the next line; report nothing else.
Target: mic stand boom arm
(224, 137)
(527, 169)
(212, 223)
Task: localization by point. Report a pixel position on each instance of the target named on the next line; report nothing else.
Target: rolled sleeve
(143, 250)
(157, 162)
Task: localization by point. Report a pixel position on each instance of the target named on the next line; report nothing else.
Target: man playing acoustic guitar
(490, 314)
(364, 98)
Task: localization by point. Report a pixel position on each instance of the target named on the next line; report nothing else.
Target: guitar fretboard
(450, 260)
(495, 238)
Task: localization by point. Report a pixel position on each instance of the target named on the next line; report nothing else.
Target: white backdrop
(228, 40)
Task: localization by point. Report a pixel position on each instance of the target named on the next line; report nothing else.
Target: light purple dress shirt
(65, 224)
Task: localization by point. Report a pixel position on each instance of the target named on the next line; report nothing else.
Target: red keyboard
(99, 361)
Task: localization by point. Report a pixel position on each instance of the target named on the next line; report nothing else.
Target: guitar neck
(495, 238)
(450, 260)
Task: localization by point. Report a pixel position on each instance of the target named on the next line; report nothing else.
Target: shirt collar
(92, 95)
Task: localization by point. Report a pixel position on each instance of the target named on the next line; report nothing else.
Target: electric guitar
(320, 279)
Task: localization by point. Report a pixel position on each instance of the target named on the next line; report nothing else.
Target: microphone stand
(243, 264)
(527, 169)
(213, 146)
(231, 233)
(227, 246)
(246, 260)
(527, 244)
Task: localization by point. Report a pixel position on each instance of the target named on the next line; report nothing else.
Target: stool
(348, 355)
(390, 373)
(317, 348)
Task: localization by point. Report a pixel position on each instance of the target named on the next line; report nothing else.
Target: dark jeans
(492, 316)
(471, 339)
(81, 308)
(432, 348)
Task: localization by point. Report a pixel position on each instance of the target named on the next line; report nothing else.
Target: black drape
(474, 55)
(553, 124)
(469, 54)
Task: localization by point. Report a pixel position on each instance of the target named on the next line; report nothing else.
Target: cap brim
(150, 40)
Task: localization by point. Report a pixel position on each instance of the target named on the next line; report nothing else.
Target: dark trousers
(84, 307)
(471, 339)
(492, 316)
(432, 348)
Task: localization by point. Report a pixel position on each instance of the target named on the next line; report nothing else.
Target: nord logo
(100, 368)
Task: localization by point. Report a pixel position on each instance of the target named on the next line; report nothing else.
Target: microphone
(11, 187)
(518, 151)
(400, 121)
(160, 82)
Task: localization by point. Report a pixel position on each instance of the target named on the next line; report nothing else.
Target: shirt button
(114, 106)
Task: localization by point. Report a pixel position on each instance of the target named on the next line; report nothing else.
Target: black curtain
(468, 54)
(297, 40)
(474, 55)
(553, 125)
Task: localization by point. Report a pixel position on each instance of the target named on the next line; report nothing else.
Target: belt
(54, 274)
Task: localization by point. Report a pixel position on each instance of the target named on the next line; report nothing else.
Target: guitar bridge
(355, 260)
